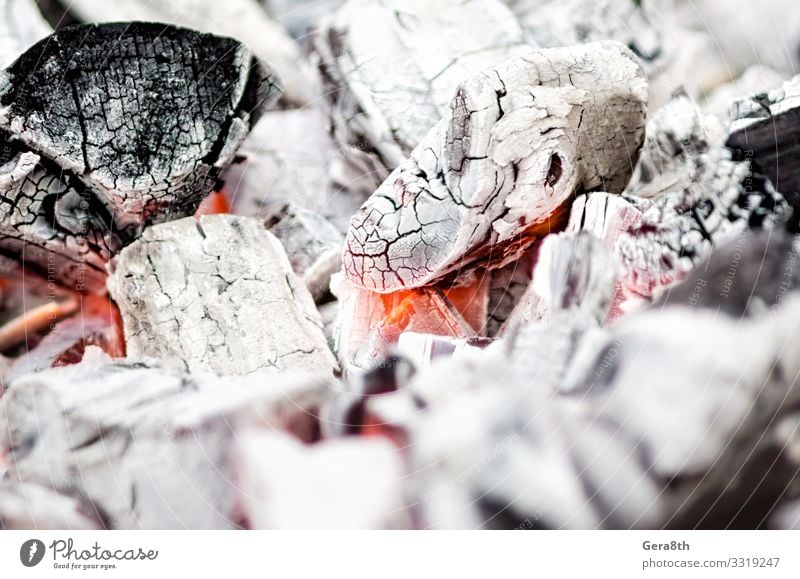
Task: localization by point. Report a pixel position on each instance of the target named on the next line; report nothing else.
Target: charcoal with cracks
(108, 128)
(217, 294)
(757, 79)
(693, 192)
(244, 20)
(678, 418)
(390, 69)
(149, 447)
(502, 167)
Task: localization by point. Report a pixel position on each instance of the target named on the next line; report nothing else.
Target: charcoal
(501, 168)
(703, 193)
(217, 294)
(149, 446)
(390, 70)
(506, 288)
(84, 168)
(27, 505)
(243, 20)
(757, 79)
(573, 272)
(661, 426)
(787, 518)
(288, 158)
(312, 243)
(764, 134)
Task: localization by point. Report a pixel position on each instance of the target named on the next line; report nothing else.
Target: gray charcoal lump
(108, 128)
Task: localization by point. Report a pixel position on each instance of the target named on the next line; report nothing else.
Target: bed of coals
(399, 264)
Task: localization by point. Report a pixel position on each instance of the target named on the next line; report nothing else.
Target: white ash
(335, 484)
(573, 272)
(21, 26)
(782, 99)
(288, 157)
(518, 142)
(313, 244)
(244, 20)
(217, 294)
(757, 79)
(666, 430)
(149, 446)
(27, 505)
(390, 69)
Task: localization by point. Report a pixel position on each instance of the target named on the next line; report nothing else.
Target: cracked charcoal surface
(390, 68)
(108, 128)
(217, 294)
(518, 143)
(704, 193)
(244, 20)
(149, 447)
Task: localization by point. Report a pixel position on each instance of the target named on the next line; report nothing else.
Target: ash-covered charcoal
(764, 132)
(21, 26)
(669, 427)
(390, 69)
(727, 282)
(217, 294)
(244, 20)
(28, 505)
(354, 483)
(506, 287)
(151, 447)
(703, 193)
(573, 272)
(673, 55)
(757, 79)
(312, 243)
(501, 169)
(108, 128)
(287, 158)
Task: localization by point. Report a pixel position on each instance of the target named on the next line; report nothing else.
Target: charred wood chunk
(764, 132)
(502, 167)
(390, 69)
(108, 128)
(217, 294)
(148, 447)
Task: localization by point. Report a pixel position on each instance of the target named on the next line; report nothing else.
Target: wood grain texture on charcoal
(108, 128)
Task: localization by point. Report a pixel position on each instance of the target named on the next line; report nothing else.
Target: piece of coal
(108, 128)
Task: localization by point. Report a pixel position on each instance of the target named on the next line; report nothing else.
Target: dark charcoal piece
(109, 128)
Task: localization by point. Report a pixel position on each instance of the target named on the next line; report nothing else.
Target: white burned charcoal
(673, 55)
(21, 26)
(150, 447)
(573, 272)
(704, 193)
(313, 244)
(506, 287)
(287, 157)
(390, 68)
(28, 505)
(105, 129)
(501, 169)
(244, 20)
(682, 416)
(350, 483)
(217, 294)
(764, 132)
(757, 79)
